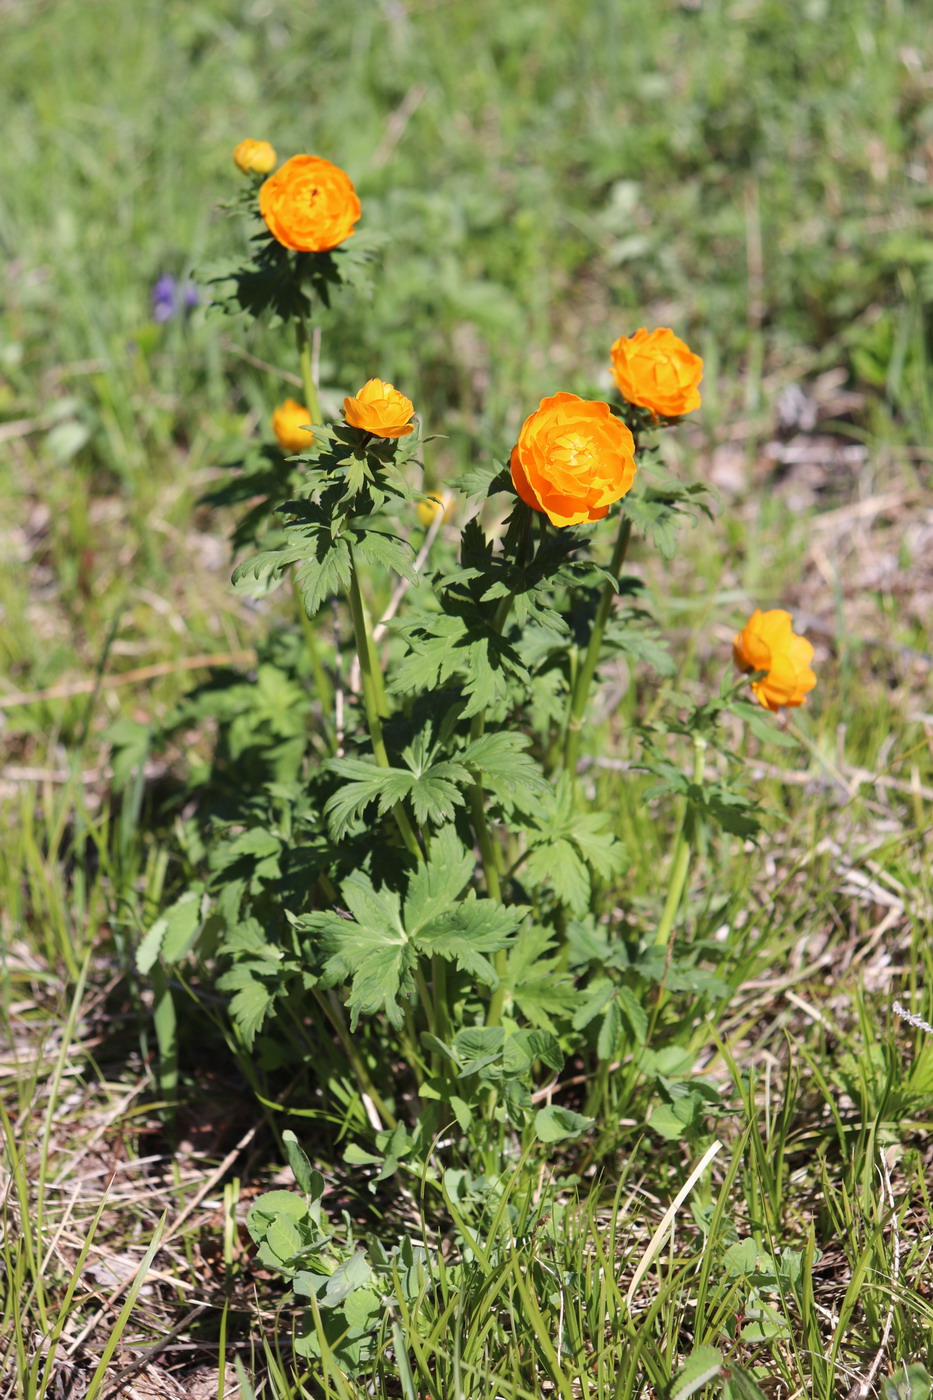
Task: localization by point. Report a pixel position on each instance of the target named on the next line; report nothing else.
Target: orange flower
(657, 371)
(572, 459)
(254, 157)
(379, 409)
(290, 423)
(768, 643)
(309, 204)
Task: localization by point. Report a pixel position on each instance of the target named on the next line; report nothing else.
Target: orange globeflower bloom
(254, 157)
(572, 459)
(768, 643)
(290, 423)
(309, 205)
(379, 409)
(657, 371)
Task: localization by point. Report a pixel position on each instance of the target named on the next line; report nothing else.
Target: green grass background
(756, 174)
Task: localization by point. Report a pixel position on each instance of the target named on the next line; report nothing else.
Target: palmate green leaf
(459, 643)
(535, 982)
(506, 767)
(468, 931)
(263, 571)
(641, 645)
(657, 511)
(251, 1002)
(437, 883)
(432, 659)
(322, 573)
(364, 782)
(434, 794)
(569, 847)
(476, 1042)
(558, 866)
(599, 994)
(372, 950)
(490, 662)
(524, 1047)
(387, 551)
(264, 287)
(598, 846)
(655, 520)
(377, 949)
(732, 811)
(483, 480)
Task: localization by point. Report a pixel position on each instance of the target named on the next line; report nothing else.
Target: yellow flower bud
(254, 157)
(432, 505)
(290, 423)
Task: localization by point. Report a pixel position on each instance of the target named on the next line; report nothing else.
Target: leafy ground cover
(547, 176)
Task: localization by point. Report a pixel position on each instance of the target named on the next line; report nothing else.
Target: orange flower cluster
(290, 423)
(380, 409)
(657, 371)
(254, 157)
(768, 643)
(309, 205)
(572, 459)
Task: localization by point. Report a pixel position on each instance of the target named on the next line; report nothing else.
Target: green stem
(322, 685)
(374, 700)
(334, 1013)
(439, 990)
(664, 937)
(488, 850)
(585, 673)
(424, 996)
(312, 402)
(487, 847)
(682, 853)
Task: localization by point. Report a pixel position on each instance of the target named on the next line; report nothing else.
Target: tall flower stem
(325, 691)
(312, 402)
(682, 853)
(374, 701)
(587, 669)
(322, 683)
(683, 850)
(488, 850)
(487, 847)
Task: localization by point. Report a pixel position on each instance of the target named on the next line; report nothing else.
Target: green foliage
(752, 174)
(343, 1280)
(660, 502)
(378, 949)
(277, 285)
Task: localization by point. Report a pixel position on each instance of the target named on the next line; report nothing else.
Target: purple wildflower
(162, 298)
(169, 298)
